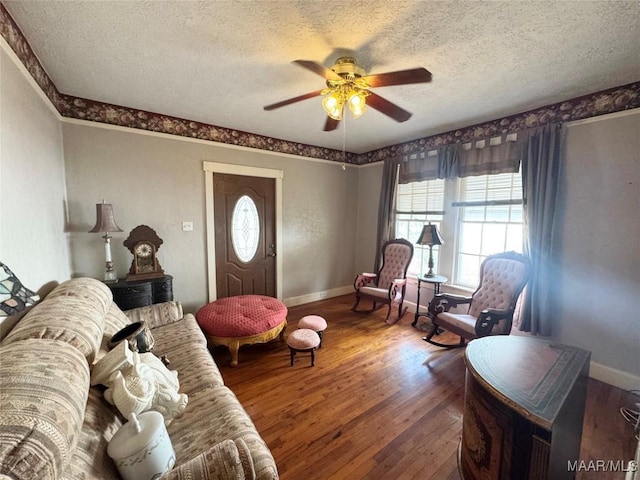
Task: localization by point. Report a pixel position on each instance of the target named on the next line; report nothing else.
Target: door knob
(273, 250)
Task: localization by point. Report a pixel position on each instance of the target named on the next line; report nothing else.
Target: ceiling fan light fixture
(333, 104)
(357, 102)
(336, 98)
(347, 83)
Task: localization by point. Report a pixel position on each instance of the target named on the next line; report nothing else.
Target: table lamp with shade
(106, 223)
(430, 236)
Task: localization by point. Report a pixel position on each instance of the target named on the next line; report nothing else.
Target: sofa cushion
(44, 385)
(114, 321)
(157, 314)
(221, 409)
(175, 335)
(196, 369)
(90, 460)
(227, 459)
(73, 312)
(185, 346)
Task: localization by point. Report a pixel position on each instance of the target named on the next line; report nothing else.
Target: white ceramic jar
(142, 449)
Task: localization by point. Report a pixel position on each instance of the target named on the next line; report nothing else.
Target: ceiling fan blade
(293, 100)
(385, 106)
(331, 124)
(319, 69)
(401, 77)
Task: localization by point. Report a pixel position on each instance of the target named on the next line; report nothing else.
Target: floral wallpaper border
(608, 101)
(612, 100)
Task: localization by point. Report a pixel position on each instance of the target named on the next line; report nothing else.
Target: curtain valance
(418, 167)
(499, 154)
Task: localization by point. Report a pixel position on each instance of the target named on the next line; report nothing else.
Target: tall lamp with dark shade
(430, 236)
(106, 223)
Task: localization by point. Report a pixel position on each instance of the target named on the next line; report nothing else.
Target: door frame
(215, 167)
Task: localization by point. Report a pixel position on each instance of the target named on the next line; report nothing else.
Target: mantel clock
(143, 242)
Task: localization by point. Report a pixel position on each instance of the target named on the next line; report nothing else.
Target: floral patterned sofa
(53, 425)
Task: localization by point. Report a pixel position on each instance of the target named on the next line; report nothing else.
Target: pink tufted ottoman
(242, 320)
(303, 340)
(315, 323)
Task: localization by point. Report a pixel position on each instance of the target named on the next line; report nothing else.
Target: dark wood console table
(523, 409)
(128, 295)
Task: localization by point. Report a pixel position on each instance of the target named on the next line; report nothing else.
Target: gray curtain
(449, 161)
(541, 161)
(386, 208)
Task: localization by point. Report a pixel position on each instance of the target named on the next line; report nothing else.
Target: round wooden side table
(436, 281)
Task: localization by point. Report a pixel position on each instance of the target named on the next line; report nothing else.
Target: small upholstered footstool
(303, 340)
(315, 323)
(242, 320)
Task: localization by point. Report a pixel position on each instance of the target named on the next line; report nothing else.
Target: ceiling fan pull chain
(344, 141)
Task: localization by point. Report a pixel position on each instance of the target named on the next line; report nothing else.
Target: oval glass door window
(245, 228)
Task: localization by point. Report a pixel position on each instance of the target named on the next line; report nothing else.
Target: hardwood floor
(380, 402)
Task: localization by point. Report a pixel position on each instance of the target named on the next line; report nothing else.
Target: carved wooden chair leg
(355, 304)
(401, 310)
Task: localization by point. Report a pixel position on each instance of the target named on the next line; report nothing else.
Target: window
(418, 203)
(489, 221)
(477, 216)
(245, 229)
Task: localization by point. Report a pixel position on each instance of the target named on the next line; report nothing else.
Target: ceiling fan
(347, 85)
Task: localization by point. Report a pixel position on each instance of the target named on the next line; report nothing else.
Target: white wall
(159, 181)
(599, 279)
(33, 242)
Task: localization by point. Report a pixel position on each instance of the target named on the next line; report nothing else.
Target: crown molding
(615, 99)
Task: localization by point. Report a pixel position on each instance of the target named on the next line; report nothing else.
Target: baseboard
(314, 297)
(612, 376)
(411, 307)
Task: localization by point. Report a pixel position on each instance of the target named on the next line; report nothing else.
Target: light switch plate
(187, 226)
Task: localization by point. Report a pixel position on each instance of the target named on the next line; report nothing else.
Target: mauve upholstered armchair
(502, 278)
(388, 286)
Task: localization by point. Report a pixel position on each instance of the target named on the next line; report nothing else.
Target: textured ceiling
(220, 62)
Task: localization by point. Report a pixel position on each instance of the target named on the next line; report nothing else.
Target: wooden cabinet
(162, 289)
(128, 295)
(523, 409)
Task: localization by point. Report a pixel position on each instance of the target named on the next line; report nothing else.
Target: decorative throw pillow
(14, 297)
